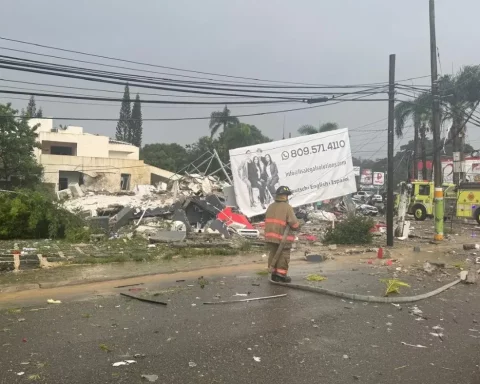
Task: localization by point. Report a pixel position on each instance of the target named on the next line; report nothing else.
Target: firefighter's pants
(281, 267)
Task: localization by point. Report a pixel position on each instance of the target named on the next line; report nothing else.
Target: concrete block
(220, 226)
(166, 236)
(315, 258)
(76, 190)
(121, 218)
(99, 223)
(64, 194)
(180, 215)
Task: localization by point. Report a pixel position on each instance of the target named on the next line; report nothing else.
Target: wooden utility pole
(390, 176)
(437, 164)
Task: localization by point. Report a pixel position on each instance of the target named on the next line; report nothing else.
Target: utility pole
(437, 165)
(390, 171)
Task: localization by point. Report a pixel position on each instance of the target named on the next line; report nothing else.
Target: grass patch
(12, 311)
(315, 277)
(262, 273)
(34, 377)
(86, 315)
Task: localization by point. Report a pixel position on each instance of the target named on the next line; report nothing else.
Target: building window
(125, 181)
(66, 151)
(62, 183)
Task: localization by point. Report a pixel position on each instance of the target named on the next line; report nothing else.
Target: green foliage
(353, 230)
(123, 126)
(311, 130)
(135, 125)
(77, 234)
(221, 119)
(393, 285)
(29, 214)
(17, 143)
(172, 157)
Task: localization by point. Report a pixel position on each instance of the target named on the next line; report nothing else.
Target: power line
(15, 61)
(145, 101)
(180, 69)
(207, 117)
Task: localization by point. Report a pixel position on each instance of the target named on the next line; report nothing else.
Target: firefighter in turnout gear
(279, 215)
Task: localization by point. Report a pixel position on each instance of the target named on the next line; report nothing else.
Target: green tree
(419, 111)
(221, 119)
(32, 110)
(18, 165)
(460, 97)
(171, 157)
(311, 130)
(241, 135)
(123, 128)
(135, 126)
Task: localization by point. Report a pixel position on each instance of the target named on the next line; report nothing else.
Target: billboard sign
(314, 167)
(366, 177)
(378, 178)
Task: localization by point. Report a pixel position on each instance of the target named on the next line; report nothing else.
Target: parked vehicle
(362, 195)
(377, 198)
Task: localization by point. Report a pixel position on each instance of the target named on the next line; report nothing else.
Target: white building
(71, 156)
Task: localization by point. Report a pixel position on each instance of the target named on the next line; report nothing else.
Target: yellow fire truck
(462, 201)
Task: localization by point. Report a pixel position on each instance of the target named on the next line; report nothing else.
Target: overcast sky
(312, 41)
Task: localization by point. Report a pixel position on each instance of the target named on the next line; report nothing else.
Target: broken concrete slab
(166, 236)
(99, 223)
(76, 190)
(468, 247)
(180, 215)
(64, 194)
(315, 258)
(217, 225)
(121, 218)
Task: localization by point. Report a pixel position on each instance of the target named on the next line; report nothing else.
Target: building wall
(87, 145)
(99, 173)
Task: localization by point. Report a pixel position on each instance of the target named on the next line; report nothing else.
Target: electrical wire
(186, 70)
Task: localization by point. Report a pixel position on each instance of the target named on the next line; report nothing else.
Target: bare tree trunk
(415, 152)
(423, 138)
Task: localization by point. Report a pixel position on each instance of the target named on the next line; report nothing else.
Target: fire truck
(460, 201)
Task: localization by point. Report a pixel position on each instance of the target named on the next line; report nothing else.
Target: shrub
(33, 214)
(353, 230)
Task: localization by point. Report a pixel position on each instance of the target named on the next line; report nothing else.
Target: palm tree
(460, 98)
(221, 118)
(419, 110)
(311, 130)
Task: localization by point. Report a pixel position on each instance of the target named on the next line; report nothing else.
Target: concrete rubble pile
(167, 213)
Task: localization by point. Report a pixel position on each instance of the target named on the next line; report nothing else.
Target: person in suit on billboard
(271, 174)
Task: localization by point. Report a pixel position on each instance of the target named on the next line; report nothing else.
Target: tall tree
(31, 107)
(460, 96)
(135, 126)
(311, 130)
(419, 111)
(32, 110)
(123, 131)
(17, 143)
(221, 119)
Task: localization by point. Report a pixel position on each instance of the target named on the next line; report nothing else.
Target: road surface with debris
(102, 337)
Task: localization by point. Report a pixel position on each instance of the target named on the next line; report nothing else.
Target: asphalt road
(301, 338)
